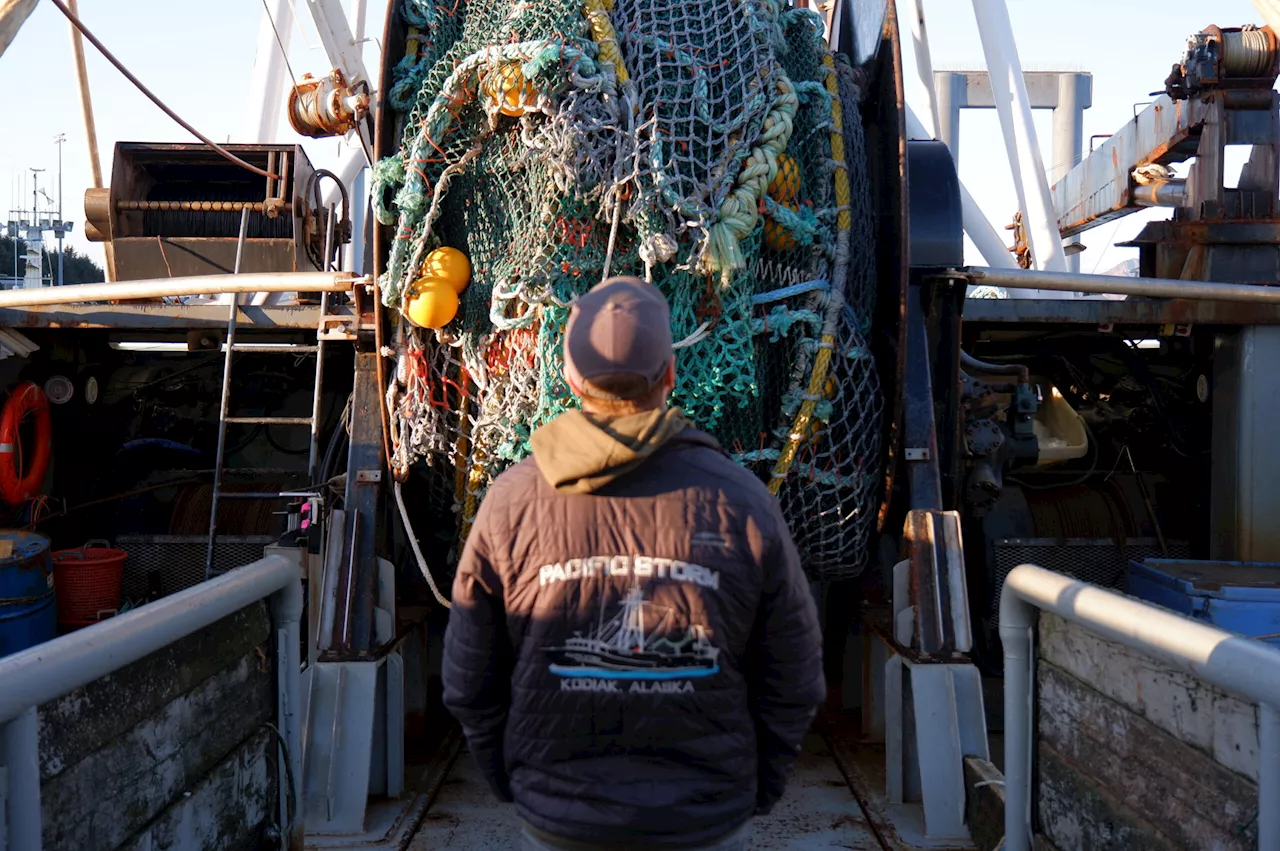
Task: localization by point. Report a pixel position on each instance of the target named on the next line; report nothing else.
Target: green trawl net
(557, 142)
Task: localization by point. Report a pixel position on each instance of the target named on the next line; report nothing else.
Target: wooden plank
(1179, 704)
(1138, 768)
(83, 722)
(1076, 813)
(106, 798)
(984, 802)
(229, 809)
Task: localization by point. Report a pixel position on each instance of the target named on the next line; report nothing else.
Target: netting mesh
(556, 143)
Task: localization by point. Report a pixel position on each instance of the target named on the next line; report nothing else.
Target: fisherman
(633, 650)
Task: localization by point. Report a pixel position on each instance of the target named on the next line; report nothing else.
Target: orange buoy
(16, 487)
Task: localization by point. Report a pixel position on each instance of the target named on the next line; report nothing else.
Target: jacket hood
(581, 453)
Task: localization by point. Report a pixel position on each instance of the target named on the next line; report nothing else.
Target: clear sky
(198, 57)
(1128, 46)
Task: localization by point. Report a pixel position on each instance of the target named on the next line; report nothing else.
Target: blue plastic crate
(1240, 597)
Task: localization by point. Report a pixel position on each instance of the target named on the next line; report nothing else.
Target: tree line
(77, 268)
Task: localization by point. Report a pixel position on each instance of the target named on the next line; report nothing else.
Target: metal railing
(1244, 667)
(48, 671)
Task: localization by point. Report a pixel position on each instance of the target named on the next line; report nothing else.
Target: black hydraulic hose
(973, 363)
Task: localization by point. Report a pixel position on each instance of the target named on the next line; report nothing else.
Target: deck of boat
(818, 812)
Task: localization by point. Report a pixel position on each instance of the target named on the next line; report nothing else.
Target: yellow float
(432, 304)
(508, 89)
(448, 264)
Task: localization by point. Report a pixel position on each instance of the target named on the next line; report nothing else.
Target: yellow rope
(818, 388)
(474, 478)
(605, 36)
(844, 219)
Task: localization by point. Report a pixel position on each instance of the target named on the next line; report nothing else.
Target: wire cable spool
(235, 516)
(1081, 511)
(1248, 52)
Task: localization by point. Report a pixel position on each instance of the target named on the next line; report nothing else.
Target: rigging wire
(107, 54)
(284, 54)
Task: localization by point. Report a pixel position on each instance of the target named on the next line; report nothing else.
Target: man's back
(636, 663)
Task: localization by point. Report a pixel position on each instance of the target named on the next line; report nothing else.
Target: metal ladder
(224, 418)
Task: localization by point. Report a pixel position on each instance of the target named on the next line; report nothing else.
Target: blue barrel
(27, 613)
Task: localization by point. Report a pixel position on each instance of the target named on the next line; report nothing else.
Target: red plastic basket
(87, 581)
(71, 626)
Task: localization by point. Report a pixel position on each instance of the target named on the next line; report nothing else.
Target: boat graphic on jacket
(633, 646)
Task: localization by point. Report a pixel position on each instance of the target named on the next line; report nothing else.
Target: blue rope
(788, 292)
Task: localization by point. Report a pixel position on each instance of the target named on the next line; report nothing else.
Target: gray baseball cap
(621, 326)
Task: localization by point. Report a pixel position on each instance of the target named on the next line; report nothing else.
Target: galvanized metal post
(1268, 777)
(1015, 635)
(1075, 95)
(20, 738)
(949, 92)
(286, 612)
(363, 502)
(1014, 107)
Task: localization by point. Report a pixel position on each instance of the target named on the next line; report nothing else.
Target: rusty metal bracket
(937, 587)
(341, 329)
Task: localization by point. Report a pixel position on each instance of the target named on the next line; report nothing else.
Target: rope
(417, 551)
(789, 292)
(740, 212)
(817, 388)
(604, 35)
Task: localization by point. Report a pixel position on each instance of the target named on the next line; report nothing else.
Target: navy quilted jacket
(638, 664)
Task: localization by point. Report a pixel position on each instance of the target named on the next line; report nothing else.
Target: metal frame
(1107, 312)
(1097, 190)
(924, 759)
(185, 286)
(155, 316)
(48, 671)
(1114, 284)
(1067, 93)
(1249, 669)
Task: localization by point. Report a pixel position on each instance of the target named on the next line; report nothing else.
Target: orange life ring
(27, 398)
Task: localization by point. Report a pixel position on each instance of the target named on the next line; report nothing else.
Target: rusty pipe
(1071, 282)
(278, 282)
(1161, 193)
